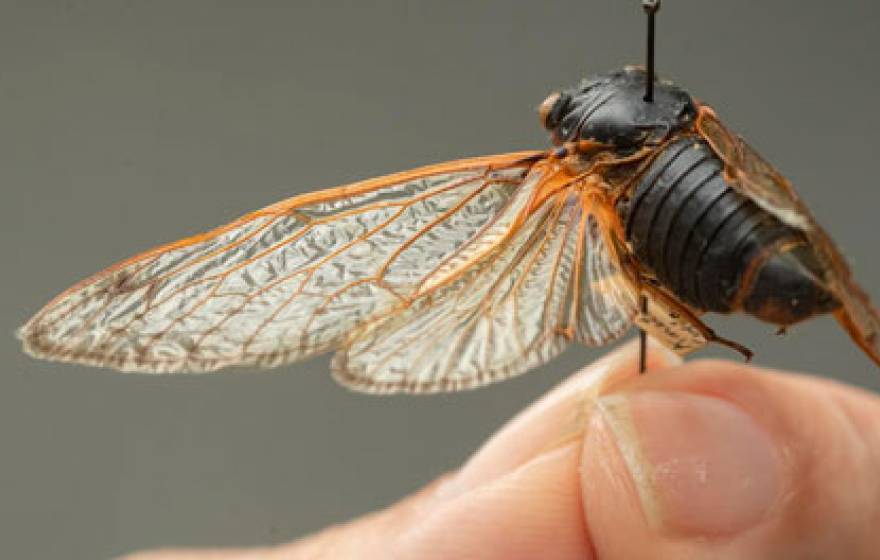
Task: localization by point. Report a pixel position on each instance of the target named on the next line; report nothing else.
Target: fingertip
(533, 511)
(556, 418)
(716, 457)
(620, 364)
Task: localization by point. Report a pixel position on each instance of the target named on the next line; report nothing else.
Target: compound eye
(546, 107)
(552, 109)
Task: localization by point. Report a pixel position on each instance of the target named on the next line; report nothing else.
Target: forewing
(280, 284)
(751, 175)
(754, 177)
(509, 313)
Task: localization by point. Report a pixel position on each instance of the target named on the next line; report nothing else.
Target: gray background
(127, 124)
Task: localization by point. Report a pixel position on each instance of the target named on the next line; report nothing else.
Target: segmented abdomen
(692, 230)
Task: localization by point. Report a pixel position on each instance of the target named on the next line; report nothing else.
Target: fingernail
(700, 465)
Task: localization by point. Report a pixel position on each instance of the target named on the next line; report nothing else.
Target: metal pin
(643, 338)
(651, 7)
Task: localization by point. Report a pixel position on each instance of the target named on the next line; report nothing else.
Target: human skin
(707, 459)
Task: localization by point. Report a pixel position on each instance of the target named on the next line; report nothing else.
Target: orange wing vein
(551, 279)
(282, 283)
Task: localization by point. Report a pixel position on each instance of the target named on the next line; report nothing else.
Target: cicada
(455, 275)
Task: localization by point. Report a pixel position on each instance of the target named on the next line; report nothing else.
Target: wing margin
(140, 273)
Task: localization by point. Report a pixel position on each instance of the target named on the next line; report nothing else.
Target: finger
(173, 554)
(519, 496)
(557, 418)
(719, 460)
(531, 512)
(523, 483)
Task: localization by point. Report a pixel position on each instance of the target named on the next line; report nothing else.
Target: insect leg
(677, 327)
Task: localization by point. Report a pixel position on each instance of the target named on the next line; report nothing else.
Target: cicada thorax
(714, 248)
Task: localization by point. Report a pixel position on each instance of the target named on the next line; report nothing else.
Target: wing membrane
(547, 283)
(604, 299)
(282, 283)
(749, 173)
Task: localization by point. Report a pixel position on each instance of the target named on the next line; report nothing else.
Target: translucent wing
(553, 279)
(604, 300)
(748, 172)
(282, 283)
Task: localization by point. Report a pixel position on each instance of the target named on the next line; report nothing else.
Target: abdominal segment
(715, 249)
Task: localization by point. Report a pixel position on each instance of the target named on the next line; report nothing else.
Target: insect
(455, 275)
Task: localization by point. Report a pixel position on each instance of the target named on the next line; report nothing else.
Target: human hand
(705, 460)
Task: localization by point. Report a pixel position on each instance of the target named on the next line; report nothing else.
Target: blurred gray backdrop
(126, 124)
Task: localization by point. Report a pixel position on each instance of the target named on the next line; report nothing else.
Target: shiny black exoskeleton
(611, 109)
(703, 240)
